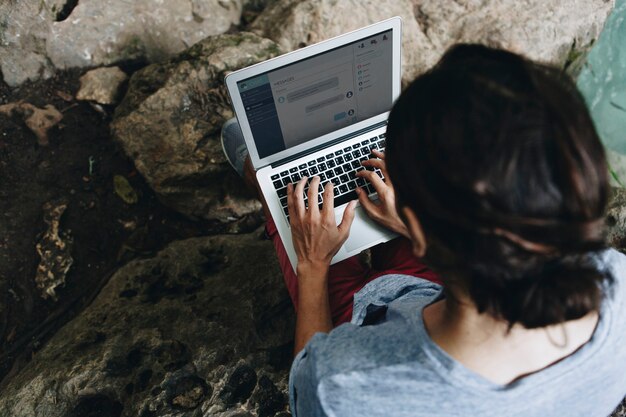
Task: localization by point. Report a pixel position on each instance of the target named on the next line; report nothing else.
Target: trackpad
(364, 231)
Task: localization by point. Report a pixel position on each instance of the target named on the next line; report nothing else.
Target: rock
(55, 251)
(189, 332)
(169, 123)
(307, 22)
(549, 31)
(616, 219)
(39, 121)
(101, 85)
(39, 36)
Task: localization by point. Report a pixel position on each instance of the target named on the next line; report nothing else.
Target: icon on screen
(349, 94)
(360, 82)
(350, 112)
(385, 37)
(373, 42)
(281, 99)
(244, 86)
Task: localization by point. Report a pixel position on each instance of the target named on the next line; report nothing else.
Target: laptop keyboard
(339, 167)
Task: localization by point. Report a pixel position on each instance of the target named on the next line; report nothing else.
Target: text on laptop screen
(318, 95)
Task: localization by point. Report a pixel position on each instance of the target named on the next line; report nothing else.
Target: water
(602, 82)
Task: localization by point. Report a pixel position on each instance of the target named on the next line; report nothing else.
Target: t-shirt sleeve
(304, 380)
(376, 295)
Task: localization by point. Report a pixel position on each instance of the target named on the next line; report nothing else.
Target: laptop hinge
(328, 144)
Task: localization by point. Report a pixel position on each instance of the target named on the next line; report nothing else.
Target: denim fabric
(384, 363)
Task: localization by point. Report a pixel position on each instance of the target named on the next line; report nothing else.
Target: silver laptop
(319, 111)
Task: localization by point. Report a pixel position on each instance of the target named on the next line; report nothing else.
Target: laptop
(320, 110)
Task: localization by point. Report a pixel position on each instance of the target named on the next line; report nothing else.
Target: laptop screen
(315, 96)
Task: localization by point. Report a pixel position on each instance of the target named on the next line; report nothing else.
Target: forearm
(313, 305)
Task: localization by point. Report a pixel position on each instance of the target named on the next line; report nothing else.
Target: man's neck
(488, 347)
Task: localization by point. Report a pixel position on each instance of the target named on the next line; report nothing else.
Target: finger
(370, 208)
(328, 208)
(299, 197)
(378, 153)
(346, 220)
(376, 163)
(372, 177)
(313, 207)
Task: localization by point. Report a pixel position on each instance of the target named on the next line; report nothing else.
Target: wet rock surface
(169, 123)
(136, 350)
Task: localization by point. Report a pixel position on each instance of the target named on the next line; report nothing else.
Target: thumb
(348, 217)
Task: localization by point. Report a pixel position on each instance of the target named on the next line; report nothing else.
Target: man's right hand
(383, 210)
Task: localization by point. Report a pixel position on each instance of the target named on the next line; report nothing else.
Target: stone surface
(549, 31)
(616, 219)
(39, 36)
(169, 123)
(307, 22)
(203, 328)
(101, 85)
(38, 120)
(55, 251)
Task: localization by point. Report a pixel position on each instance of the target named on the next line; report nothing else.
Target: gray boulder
(39, 36)
(203, 328)
(170, 120)
(550, 31)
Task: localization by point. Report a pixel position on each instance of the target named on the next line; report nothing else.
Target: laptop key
(343, 188)
(295, 177)
(365, 142)
(374, 139)
(356, 145)
(347, 168)
(322, 167)
(282, 192)
(330, 156)
(339, 160)
(344, 178)
(351, 185)
(356, 164)
(335, 181)
(331, 164)
(330, 174)
(339, 152)
(345, 198)
(348, 157)
(360, 182)
(311, 163)
(286, 180)
(294, 169)
(356, 153)
(278, 184)
(304, 173)
(313, 170)
(382, 143)
(322, 176)
(283, 202)
(284, 173)
(275, 176)
(348, 149)
(382, 136)
(321, 159)
(338, 171)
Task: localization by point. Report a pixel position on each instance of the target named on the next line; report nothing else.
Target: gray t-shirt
(384, 363)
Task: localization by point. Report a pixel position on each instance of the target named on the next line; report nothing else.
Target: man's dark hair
(499, 159)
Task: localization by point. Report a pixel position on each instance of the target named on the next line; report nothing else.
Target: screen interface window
(316, 96)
